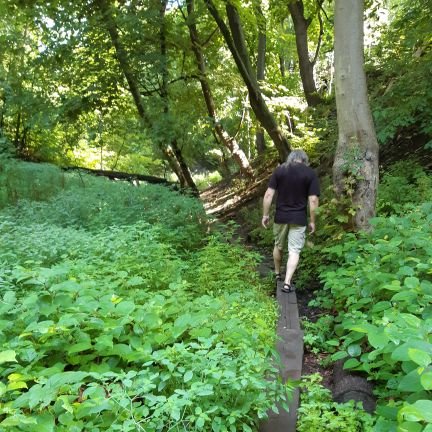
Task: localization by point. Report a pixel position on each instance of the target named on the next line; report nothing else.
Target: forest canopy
(164, 88)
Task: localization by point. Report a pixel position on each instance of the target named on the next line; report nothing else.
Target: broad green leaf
(425, 407)
(351, 363)
(411, 282)
(66, 403)
(404, 296)
(411, 320)
(426, 380)
(339, 355)
(187, 376)
(393, 286)
(410, 413)
(66, 419)
(380, 306)
(81, 346)
(125, 307)
(135, 281)
(401, 352)
(378, 339)
(16, 385)
(122, 350)
(411, 382)
(7, 356)
(420, 357)
(45, 422)
(410, 427)
(18, 419)
(363, 328)
(388, 412)
(354, 350)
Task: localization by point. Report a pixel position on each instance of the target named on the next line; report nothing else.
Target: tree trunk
(185, 173)
(260, 70)
(229, 142)
(237, 46)
(114, 175)
(16, 140)
(123, 60)
(357, 149)
(3, 108)
(301, 25)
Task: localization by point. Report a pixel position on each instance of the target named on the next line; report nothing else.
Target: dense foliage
(319, 413)
(120, 313)
(119, 310)
(378, 293)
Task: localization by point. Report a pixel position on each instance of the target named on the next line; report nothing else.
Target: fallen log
(352, 387)
(119, 175)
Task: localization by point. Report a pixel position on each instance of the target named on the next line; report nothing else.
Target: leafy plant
(317, 335)
(317, 411)
(118, 318)
(381, 287)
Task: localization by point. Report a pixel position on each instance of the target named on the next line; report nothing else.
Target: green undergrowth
(318, 412)
(375, 301)
(378, 296)
(380, 289)
(119, 312)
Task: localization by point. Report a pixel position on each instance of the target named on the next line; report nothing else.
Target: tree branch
(321, 32)
(203, 44)
(181, 78)
(320, 5)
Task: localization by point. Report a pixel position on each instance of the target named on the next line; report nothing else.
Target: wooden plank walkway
(290, 349)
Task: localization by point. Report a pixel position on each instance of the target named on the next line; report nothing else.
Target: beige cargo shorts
(296, 235)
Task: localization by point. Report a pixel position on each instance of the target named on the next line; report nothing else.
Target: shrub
(317, 411)
(118, 313)
(381, 287)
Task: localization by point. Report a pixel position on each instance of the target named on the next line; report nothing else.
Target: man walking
(297, 186)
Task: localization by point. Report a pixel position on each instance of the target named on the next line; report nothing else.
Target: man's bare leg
(293, 259)
(277, 258)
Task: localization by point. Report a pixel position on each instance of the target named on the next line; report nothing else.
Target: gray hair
(297, 155)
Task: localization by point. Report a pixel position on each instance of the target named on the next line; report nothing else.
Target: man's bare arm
(268, 198)
(313, 205)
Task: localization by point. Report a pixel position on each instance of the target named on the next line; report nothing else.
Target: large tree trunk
(260, 69)
(237, 46)
(301, 25)
(357, 149)
(229, 142)
(171, 155)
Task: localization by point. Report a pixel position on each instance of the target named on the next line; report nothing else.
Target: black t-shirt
(294, 184)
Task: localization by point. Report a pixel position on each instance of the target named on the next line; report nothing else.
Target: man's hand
(268, 198)
(312, 227)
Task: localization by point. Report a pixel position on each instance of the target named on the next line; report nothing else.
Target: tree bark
(229, 142)
(114, 175)
(301, 25)
(357, 149)
(237, 46)
(260, 69)
(170, 155)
